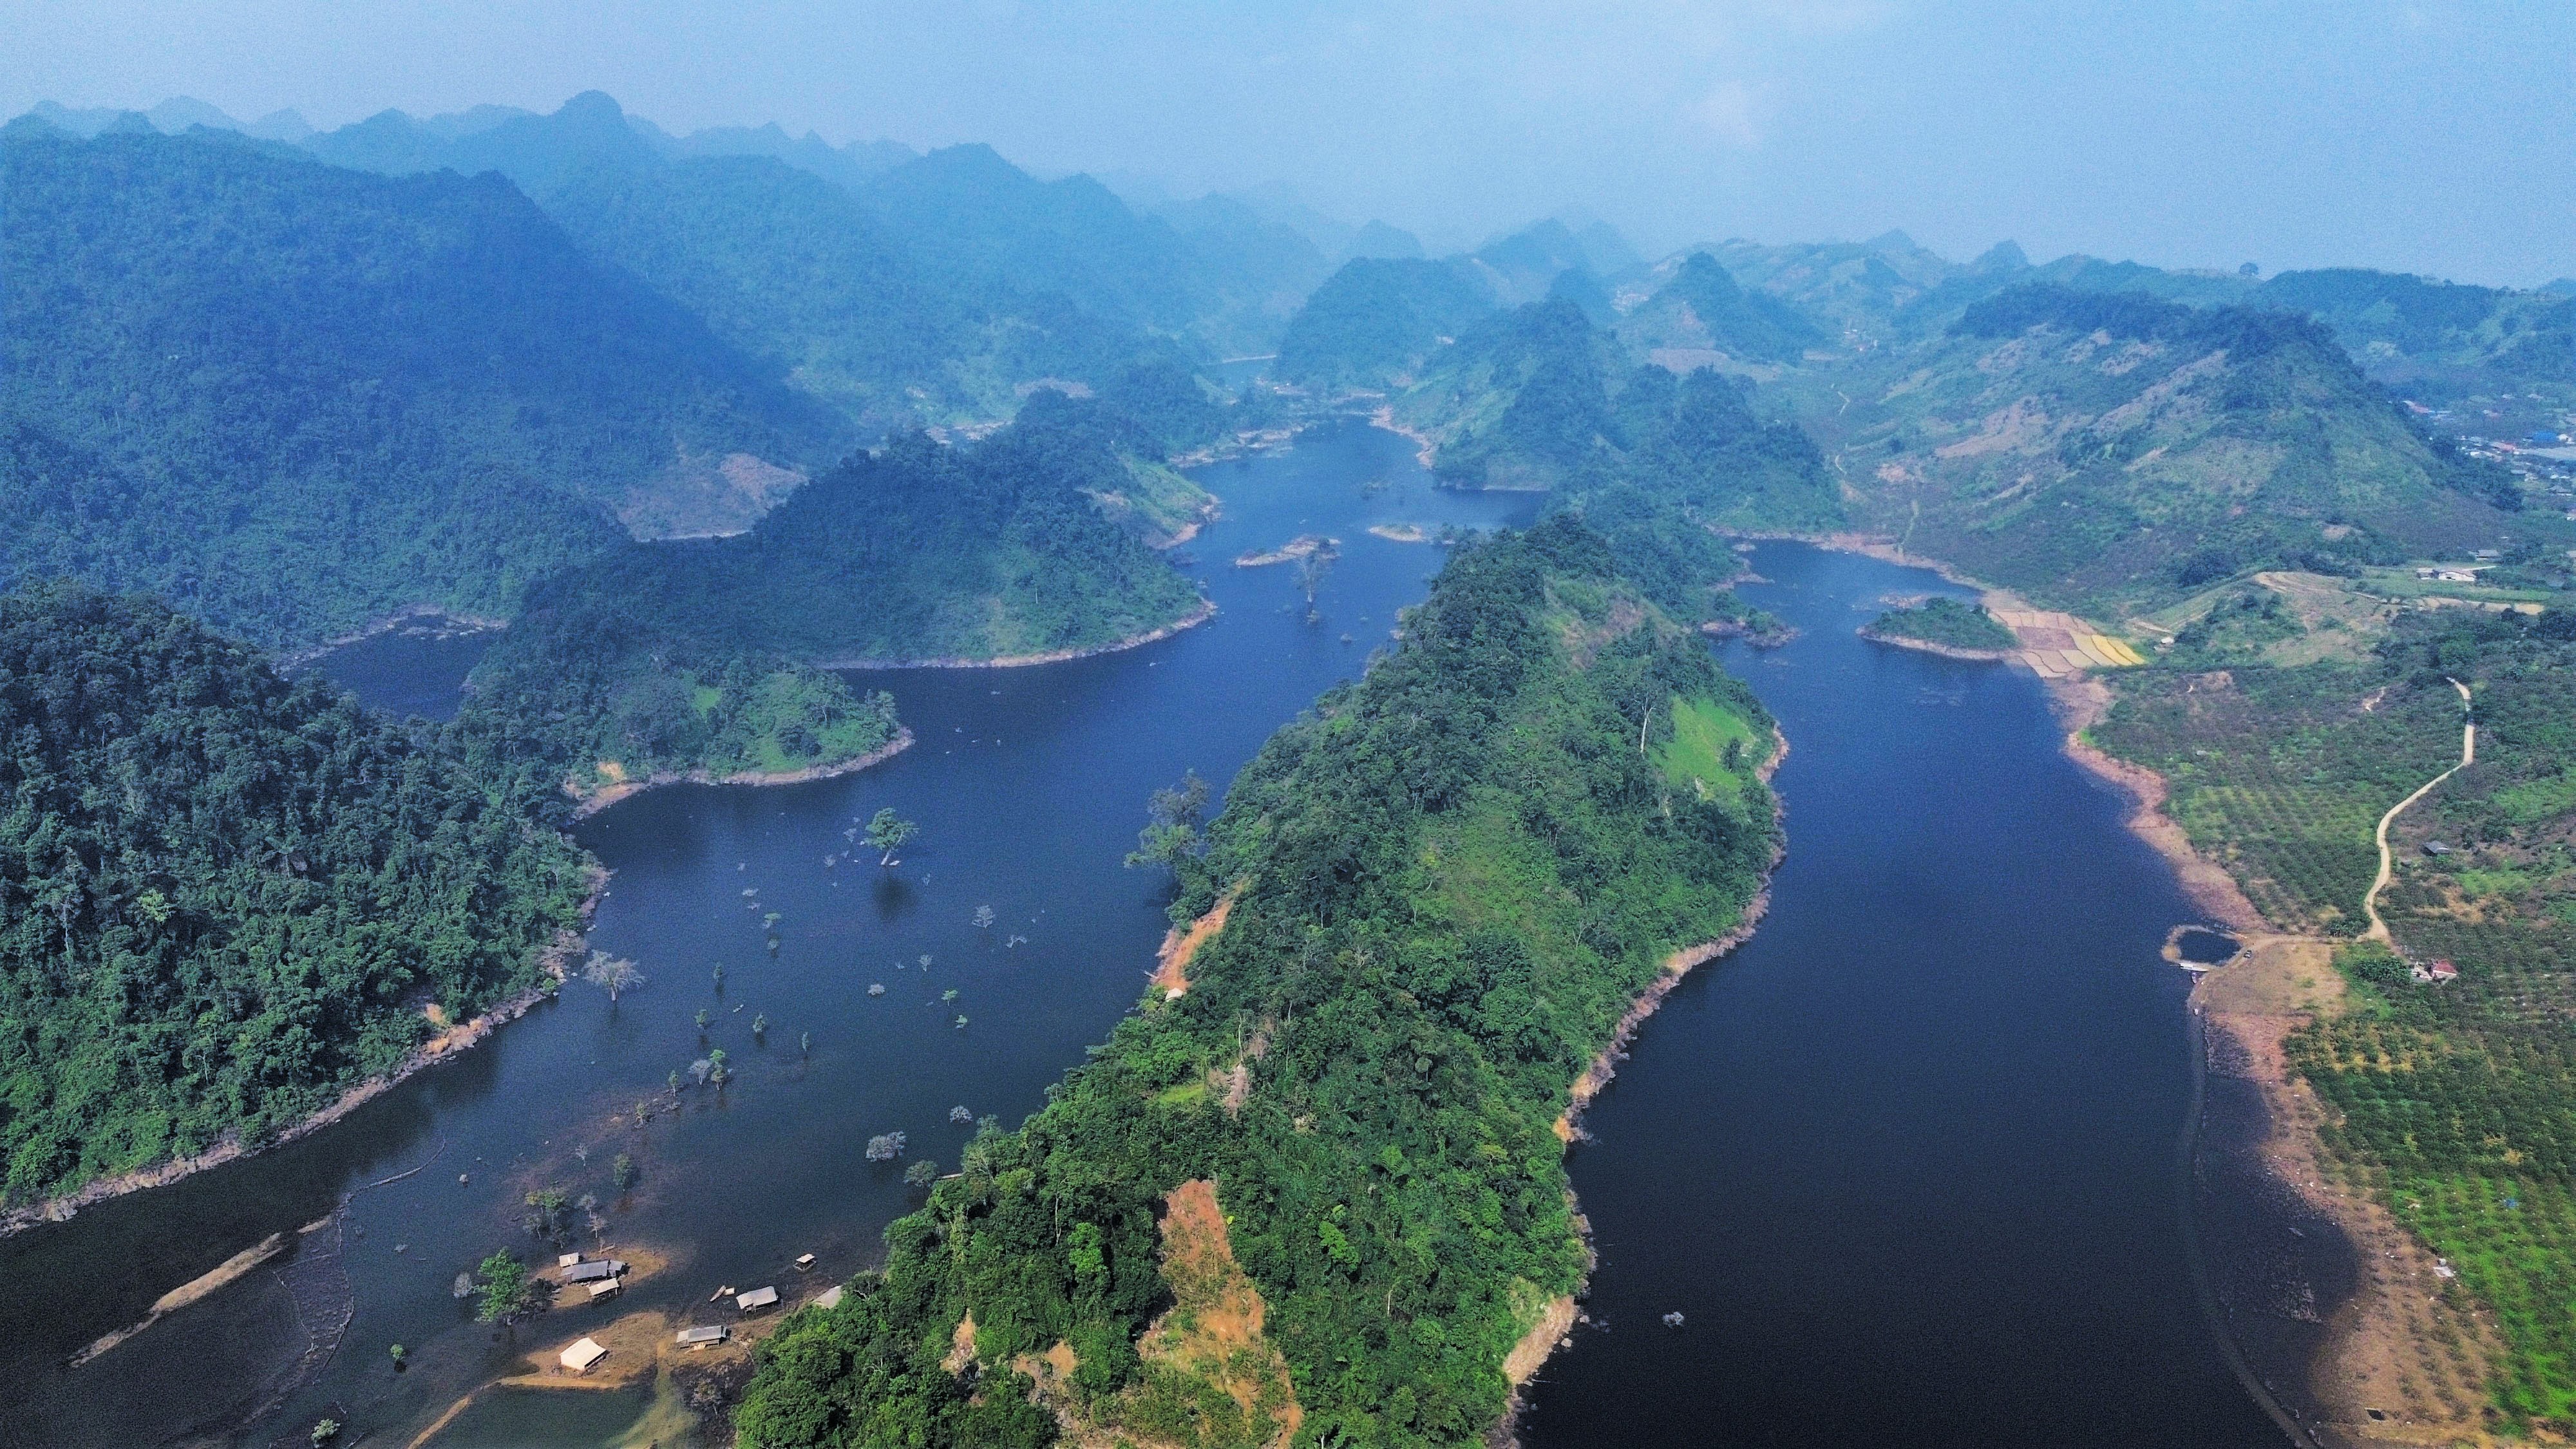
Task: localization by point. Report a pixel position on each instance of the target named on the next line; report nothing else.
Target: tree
(622, 1172)
(509, 1294)
(611, 974)
(1172, 832)
(887, 833)
(1311, 570)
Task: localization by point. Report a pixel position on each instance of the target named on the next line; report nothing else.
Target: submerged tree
(611, 974)
(921, 1174)
(1172, 832)
(888, 832)
(984, 918)
(1311, 570)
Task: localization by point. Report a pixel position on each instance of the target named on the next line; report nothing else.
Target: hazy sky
(2427, 136)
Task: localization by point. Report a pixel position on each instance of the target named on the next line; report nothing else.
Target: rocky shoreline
(594, 801)
(554, 963)
(1535, 1347)
(1205, 611)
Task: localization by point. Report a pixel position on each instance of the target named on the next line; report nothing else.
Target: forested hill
(1007, 248)
(2111, 450)
(1440, 891)
(644, 657)
(223, 897)
(289, 397)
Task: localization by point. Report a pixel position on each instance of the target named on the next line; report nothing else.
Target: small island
(1943, 626)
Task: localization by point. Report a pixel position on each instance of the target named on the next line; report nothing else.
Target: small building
(583, 1354)
(2443, 970)
(2436, 848)
(804, 1262)
(706, 1337)
(593, 1271)
(756, 1298)
(831, 1298)
(603, 1288)
(568, 1260)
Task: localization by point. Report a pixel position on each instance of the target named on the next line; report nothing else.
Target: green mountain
(786, 266)
(1440, 892)
(1701, 310)
(2113, 450)
(976, 219)
(2440, 340)
(1520, 401)
(289, 397)
(688, 655)
(1374, 322)
(223, 897)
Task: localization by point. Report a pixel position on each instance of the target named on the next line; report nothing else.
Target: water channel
(1912, 1163)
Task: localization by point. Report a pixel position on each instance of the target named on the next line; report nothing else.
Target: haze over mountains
(439, 360)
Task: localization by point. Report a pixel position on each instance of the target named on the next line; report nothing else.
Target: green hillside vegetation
(290, 398)
(2440, 340)
(787, 266)
(969, 214)
(1372, 324)
(224, 898)
(1447, 883)
(1702, 309)
(2114, 452)
(898, 288)
(689, 654)
(2454, 1104)
(1946, 622)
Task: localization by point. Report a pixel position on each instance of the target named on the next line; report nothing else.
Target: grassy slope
(1453, 880)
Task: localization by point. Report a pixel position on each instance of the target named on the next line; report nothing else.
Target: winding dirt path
(2468, 756)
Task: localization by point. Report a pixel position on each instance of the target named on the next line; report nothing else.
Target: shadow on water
(1913, 1164)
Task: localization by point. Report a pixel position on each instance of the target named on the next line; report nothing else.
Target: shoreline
(1946, 651)
(2246, 1011)
(386, 624)
(1540, 1343)
(1205, 611)
(554, 964)
(600, 799)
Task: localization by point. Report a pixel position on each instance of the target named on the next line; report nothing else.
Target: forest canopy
(225, 897)
(1443, 888)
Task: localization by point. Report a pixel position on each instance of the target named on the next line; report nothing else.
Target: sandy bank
(1205, 611)
(553, 962)
(599, 798)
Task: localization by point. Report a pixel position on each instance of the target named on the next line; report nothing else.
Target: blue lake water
(1911, 1163)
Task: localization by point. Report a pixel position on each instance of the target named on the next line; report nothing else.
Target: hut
(706, 1337)
(830, 1299)
(756, 1298)
(583, 1354)
(2443, 970)
(604, 1288)
(805, 1263)
(567, 1260)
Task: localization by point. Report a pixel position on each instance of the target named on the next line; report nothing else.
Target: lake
(1913, 1163)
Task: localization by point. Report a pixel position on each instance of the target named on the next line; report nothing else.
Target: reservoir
(1913, 1164)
